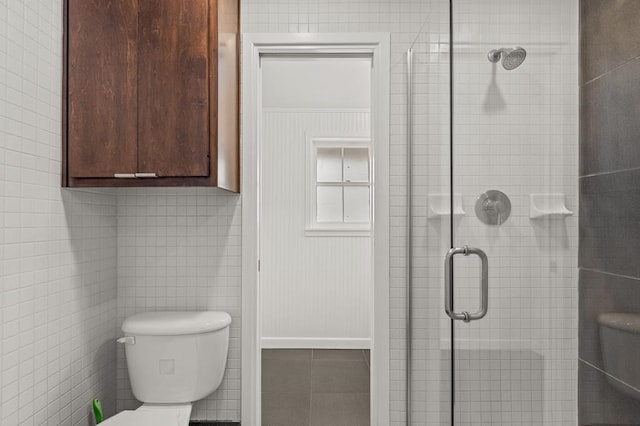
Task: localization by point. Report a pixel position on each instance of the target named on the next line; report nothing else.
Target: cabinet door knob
(146, 175)
(124, 175)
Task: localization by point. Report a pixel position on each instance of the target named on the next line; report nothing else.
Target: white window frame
(314, 228)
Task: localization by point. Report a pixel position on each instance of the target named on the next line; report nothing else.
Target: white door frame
(254, 45)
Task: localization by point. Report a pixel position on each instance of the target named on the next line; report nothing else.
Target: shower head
(511, 58)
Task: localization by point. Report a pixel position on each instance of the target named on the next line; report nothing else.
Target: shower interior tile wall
(516, 131)
(58, 264)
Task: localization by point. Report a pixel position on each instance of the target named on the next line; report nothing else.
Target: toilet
(173, 359)
(620, 346)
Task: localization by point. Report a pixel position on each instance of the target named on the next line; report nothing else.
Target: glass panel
(515, 134)
(356, 204)
(329, 201)
(356, 165)
(329, 161)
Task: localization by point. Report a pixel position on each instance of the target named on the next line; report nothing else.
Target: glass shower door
(511, 275)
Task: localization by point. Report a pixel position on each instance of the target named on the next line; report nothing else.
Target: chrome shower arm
(495, 54)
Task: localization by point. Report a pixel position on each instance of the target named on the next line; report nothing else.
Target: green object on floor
(97, 410)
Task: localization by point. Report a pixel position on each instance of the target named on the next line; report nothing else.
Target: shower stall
(492, 229)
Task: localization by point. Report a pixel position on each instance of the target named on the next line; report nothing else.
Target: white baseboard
(314, 343)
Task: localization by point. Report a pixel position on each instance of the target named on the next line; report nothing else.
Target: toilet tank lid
(175, 323)
(626, 322)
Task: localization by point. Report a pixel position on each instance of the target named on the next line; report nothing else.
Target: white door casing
(255, 45)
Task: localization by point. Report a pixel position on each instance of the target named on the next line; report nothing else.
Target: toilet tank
(176, 357)
(620, 346)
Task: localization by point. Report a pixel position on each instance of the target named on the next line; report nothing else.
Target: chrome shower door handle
(448, 282)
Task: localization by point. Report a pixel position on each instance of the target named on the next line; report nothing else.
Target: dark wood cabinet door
(173, 88)
(102, 87)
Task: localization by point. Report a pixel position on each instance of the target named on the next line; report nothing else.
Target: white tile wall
(179, 249)
(58, 263)
(516, 131)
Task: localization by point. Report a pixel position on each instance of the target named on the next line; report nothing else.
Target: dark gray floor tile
(338, 354)
(299, 354)
(601, 403)
(286, 408)
(286, 375)
(608, 35)
(609, 225)
(602, 293)
(340, 409)
(609, 125)
(339, 376)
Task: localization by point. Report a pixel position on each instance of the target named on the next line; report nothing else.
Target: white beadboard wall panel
(58, 265)
(311, 287)
(179, 249)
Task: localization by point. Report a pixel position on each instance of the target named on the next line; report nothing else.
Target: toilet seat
(152, 415)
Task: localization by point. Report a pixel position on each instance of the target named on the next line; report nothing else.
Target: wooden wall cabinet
(151, 93)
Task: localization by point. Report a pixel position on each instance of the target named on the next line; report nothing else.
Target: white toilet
(174, 359)
(620, 346)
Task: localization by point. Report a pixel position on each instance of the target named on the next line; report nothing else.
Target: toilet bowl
(620, 346)
(173, 359)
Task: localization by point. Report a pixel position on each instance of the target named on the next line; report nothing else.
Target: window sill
(337, 232)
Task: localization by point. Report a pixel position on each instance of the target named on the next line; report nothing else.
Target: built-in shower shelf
(548, 206)
(439, 205)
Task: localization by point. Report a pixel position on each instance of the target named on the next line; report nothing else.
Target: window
(339, 190)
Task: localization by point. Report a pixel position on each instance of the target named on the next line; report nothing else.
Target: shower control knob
(493, 207)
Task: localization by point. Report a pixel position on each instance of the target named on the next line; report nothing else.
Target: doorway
(315, 229)
(315, 239)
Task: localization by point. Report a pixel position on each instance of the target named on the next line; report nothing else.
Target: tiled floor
(315, 387)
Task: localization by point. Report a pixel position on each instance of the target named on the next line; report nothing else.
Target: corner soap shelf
(550, 206)
(440, 206)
